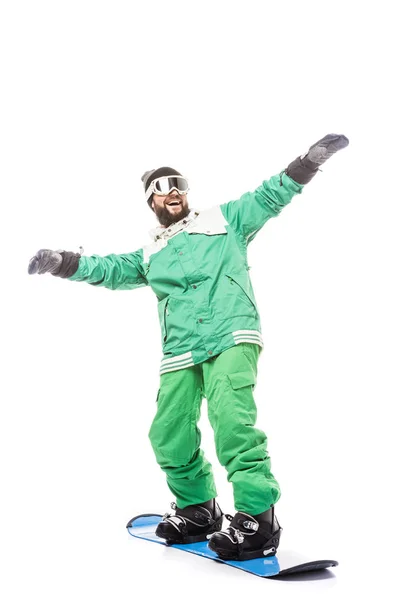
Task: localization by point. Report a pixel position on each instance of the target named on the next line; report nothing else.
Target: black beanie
(150, 176)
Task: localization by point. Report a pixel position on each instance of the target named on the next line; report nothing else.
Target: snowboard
(144, 527)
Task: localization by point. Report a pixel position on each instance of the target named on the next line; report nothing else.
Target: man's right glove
(58, 263)
(303, 168)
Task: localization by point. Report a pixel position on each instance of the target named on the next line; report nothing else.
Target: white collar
(167, 232)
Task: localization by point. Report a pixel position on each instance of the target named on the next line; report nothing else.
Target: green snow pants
(227, 381)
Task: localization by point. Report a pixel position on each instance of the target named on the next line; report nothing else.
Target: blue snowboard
(144, 526)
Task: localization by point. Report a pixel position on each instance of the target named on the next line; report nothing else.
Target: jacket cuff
(302, 170)
(69, 265)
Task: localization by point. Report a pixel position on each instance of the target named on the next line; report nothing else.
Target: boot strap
(245, 526)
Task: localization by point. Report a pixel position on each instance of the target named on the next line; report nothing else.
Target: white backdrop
(94, 94)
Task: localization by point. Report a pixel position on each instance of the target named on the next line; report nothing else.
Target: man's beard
(166, 217)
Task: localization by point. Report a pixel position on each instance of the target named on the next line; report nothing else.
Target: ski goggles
(164, 185)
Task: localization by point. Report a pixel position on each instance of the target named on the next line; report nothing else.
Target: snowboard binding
(192, 524)
(247, 537)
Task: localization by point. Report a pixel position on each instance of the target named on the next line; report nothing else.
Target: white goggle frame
(152, 187)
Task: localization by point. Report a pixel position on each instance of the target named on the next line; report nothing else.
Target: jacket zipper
(244, 291)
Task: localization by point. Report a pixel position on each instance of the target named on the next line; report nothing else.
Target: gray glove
(325, 148)
(45, 261)
(59, 263)
(304, 167)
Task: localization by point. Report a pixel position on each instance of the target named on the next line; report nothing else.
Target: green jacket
(199, 272)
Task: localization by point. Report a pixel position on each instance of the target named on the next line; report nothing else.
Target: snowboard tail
(144, 527)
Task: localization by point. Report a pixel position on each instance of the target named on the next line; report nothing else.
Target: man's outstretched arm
(248, 214)
(114, 271)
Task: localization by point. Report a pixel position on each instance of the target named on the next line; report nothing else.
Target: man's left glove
(304, 167)
(58, 263)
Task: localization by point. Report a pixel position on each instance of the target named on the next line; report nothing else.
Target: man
(211, 339)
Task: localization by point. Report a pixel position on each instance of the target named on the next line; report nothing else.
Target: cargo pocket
(234, 418)
(242, 379)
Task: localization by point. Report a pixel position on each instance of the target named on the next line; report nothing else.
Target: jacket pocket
(162, 317)
(177, 319)
(235, 282)
(242, 379)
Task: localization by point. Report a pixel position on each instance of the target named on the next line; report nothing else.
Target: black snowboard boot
(191, 524)
(247, 537)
